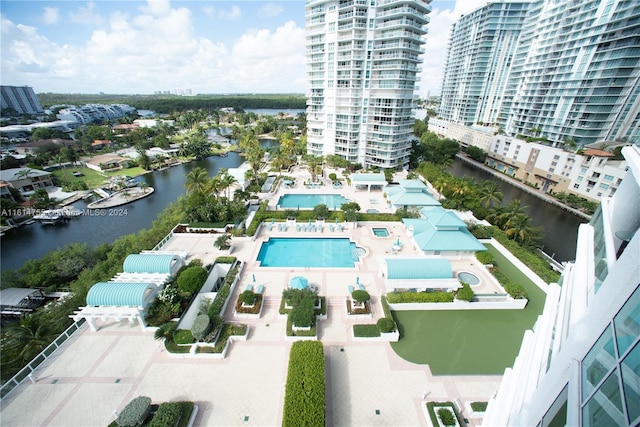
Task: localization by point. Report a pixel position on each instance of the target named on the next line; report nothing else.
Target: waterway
(560, 227)
(35, 240)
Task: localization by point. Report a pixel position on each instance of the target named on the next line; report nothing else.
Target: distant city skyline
(135, 47)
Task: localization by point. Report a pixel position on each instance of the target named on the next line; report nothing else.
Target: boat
(49, 217)
(55, 216)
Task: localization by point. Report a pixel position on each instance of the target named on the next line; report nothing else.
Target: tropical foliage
(208, 199)
(135, 413)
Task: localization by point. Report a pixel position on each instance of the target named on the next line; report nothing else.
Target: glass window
(631, 380)
(598, 362)
(557, 413)
(627, 322)
(605, 406)
(608, 178)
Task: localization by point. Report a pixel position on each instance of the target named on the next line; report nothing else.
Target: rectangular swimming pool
(380, 232)
(309, 201)
(309, 252)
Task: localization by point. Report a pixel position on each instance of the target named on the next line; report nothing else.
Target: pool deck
(104, 370)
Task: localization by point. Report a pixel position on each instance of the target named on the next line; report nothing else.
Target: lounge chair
(297, 227)
(361, 286)
(260, 289)
(249, 287)
(330, 227)
(350, 289)
(339, 227)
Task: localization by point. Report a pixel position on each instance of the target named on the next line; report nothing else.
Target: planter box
(510, 304)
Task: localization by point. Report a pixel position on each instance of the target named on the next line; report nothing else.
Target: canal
(560, 227)
(35, 240)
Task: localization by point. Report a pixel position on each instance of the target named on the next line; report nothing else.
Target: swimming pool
(380, 232)
(468, 278)
(309, 252)
(309, 201)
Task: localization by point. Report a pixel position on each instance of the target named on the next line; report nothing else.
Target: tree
(41, 199)
(321, 211)
(490, 194)
(22, 341)
(226, 181)
(198, 146)
(191, 279)
(223, 242)
(196, 180)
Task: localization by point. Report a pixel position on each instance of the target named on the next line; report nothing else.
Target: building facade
(362, 61)
(481, 48)
(580, 365)
(573, 76)
(22, 99)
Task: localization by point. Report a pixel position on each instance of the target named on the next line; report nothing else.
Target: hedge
(135, 413)
(192, 279)
(304, 397)
(183, 336)
(386, 325)
(485, 257)
(223, 293)
(167, 415)
(465, 293)
(408, 297)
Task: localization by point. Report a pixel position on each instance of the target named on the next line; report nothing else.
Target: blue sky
(130, 47)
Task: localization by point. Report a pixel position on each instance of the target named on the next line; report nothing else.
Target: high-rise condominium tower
(362, 57)
(481, 48)
(574, 73)
(22, 99)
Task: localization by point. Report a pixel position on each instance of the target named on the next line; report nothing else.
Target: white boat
(49, 217)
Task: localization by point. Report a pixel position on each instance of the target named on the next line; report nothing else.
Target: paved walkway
(121, 197)
(97, 373)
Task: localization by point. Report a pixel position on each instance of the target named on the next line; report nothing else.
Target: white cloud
(437, 39)
(50, 15)
(225, 14)
(270, 9)
(86, 15)
(157, 49)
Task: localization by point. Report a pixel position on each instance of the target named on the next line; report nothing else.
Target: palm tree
(226, 181)
(196, 180)
(519, 228)
(512, 209)
(24, 340)
(490, 194)
(165, 331)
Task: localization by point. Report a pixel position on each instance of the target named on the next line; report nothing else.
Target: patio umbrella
(253, 276)
(298, 282)
(357, 280)
(398, 242)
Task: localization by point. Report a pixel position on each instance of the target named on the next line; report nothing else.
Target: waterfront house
(26, 180)
(107, 162)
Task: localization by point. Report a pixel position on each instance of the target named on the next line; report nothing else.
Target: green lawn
(473, 341)
(93, 178)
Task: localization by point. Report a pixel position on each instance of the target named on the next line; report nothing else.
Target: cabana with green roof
(153, 263)
(418, 274)
(359, 180)
(441, 232)
(118, 301)
(410, 193)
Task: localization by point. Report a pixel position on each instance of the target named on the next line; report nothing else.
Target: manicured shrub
(248, 297)
(303, 314)
(516, 291)
(201, 327)
(360, 295)
(465, 293)
(167, 415)
(192, 279)
(408, 297)
(446, 417)
(225, 260)
(485, 257)
(386, 325)
(223, 293)
(304, 398)
(135, 413)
